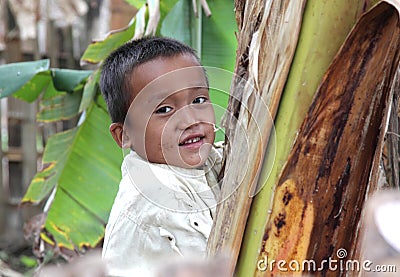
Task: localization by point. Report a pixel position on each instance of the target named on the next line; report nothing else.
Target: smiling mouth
(192, 141)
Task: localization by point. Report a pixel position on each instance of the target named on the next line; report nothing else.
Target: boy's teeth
(192, 140)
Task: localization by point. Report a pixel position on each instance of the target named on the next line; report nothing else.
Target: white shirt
(160, 212)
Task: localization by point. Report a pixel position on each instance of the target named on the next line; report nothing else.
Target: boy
(157, 96)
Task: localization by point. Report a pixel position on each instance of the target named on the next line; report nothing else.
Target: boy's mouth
(194, 140)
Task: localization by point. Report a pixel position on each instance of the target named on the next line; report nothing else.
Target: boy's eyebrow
(159, 97)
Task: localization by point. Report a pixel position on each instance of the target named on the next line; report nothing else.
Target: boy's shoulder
(132, 204)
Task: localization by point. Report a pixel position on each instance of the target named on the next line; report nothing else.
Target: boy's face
(171, 119)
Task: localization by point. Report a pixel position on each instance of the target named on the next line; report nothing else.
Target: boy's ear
(118, 134)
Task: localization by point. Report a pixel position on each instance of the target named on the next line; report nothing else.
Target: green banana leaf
(53, 161)
(27, 80)
(87, 183)
(65, 161)
(30, 91)
(61, 106)
(97, 51)
(62, 98)
(90, 90)
(218, 49)
(136, 3)
(219, 42)
(67, 79)
(173, 26)
(24, 77)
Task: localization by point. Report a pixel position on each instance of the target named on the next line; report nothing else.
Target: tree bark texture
(272, 23)
(334, 163)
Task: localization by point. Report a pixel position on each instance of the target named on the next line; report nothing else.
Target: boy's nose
(186, 117)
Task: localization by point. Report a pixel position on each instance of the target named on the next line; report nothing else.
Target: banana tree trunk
(319, 195)
(334, 162)
(254, 101)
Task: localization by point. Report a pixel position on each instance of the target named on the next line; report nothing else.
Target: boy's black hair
(118, 66)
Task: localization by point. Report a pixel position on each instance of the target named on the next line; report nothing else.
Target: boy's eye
(200, 100)
(165, 109)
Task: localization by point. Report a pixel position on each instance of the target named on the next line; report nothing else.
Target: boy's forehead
(164, 75)
(170, 84)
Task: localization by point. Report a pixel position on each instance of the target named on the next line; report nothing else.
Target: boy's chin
(195, 160)
(192, 160)
(189, 163)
